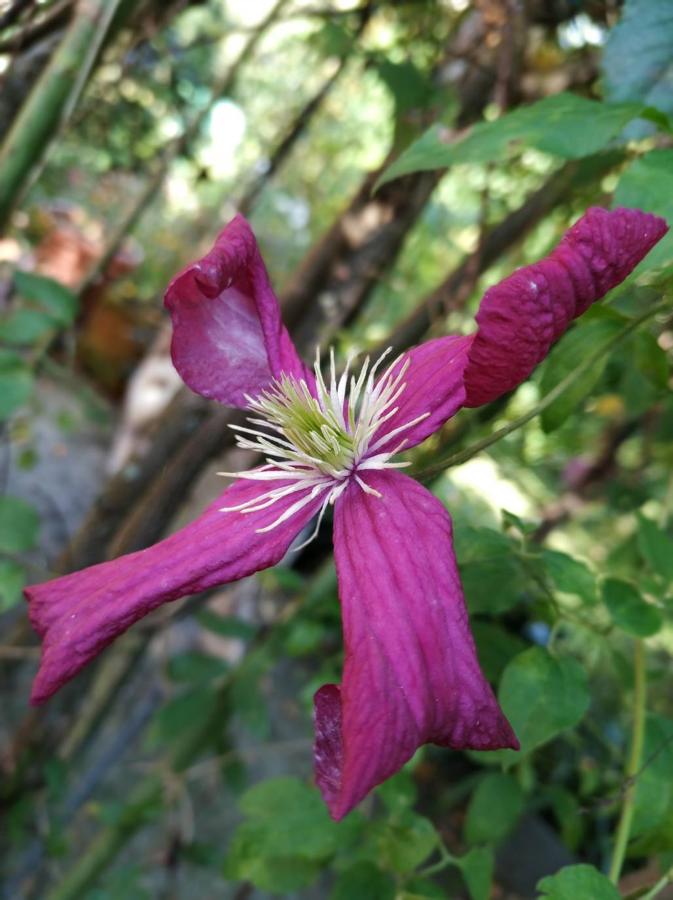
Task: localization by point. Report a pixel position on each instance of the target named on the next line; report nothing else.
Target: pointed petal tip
(523, 315)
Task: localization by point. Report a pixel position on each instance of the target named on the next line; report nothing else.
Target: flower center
(316, 443)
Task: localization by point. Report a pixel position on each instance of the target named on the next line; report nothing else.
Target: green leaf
(564, 125)
(19, 523)
(651, 360)
(491, 573)
(16, 383)
(570, 575)
(406, 841)
(494, 809)
(12, 581)
(653, 789)
(495, 647)
(570, 352)
(477, 869)
(399, 792)
(628, 610)
(293, 819)
(25, 326)
(575, 882)
(541, 696)
(226, 626)
(182, 713)
(643, 36)
(50, 295)
(656, 548)
(363, 881)
(648, 185)
(196, 667)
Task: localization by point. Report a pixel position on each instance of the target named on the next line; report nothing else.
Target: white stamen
(318, 444)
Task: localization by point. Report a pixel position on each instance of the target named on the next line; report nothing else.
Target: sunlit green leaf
(565, 125)
(628, 610)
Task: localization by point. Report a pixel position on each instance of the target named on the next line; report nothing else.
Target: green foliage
(12, 582)
(564, 125)
(16, 383)
(581, 341)
(542, 696)
(19, 524)
(647, 183)
(570, 575)
(643, 36)
(494, 809)
(363, 881)
(52, 297)
(573, 882)
(282, 859)
(492, 577)
(628, 610)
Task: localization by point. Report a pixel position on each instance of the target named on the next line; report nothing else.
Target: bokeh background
(178, 765)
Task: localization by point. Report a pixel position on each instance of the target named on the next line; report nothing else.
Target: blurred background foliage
(178, 765)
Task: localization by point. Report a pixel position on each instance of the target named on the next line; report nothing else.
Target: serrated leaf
(50, 295)
(494, 809)
(564, 125)
(19, 523)
(575, 882)
(572, 350)
(628, 610)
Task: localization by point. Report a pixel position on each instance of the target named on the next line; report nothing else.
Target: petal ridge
(522, 316)
(411, 674)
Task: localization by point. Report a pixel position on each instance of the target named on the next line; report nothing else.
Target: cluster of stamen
(319, 443)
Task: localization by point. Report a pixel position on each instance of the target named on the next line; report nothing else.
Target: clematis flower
(411, 673)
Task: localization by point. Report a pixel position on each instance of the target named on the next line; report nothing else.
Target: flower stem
(663, 882)
(464, 455)
(633, 762)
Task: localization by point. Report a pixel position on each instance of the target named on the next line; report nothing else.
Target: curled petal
(228, 337)
(411, 673)
(434, 389)
(78, 615)
(521, 317)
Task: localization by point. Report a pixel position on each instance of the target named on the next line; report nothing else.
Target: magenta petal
(434, 384)
(411, 673)
(228, 337)
(80, 614)
(521, 317)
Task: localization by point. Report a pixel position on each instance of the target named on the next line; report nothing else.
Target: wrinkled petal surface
(228, 338)
(411, 673)
(521, 317)
(78, 615)
(434, 384)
